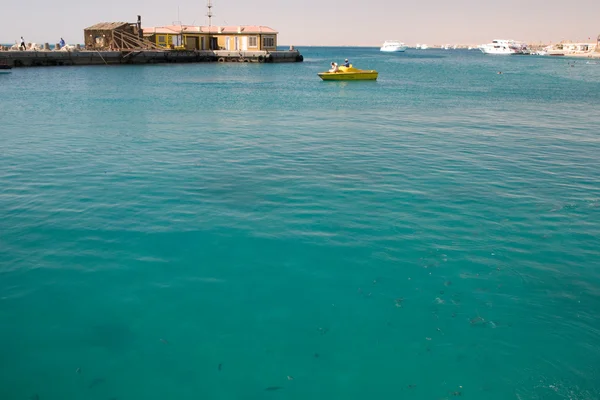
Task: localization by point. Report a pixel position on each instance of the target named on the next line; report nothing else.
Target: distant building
(232, 38)
(573, 48)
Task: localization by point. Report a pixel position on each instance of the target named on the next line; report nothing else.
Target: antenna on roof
(178, 22)
(209, 14)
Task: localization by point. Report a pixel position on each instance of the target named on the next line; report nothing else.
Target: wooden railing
(127, 41)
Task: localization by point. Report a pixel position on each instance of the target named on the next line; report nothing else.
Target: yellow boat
(349, 74)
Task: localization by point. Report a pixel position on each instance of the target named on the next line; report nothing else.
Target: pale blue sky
(312, 22)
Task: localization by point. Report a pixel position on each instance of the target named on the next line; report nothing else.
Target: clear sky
(324, 22)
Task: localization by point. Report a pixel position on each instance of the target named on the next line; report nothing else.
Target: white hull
(393, 49)
(497, 51)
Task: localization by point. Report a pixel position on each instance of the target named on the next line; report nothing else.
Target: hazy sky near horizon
(328, 23)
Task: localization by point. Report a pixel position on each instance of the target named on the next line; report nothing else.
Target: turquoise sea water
(206, 231)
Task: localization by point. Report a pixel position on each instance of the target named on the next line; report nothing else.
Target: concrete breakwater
(87, 57)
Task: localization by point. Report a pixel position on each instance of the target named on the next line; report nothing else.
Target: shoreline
(591, 56)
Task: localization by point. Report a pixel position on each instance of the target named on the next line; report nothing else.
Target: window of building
(252, 41)
(161, 39)
(268, 41)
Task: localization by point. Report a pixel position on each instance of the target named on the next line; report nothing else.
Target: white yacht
(501, 46)
(424, 47)
(393, 46)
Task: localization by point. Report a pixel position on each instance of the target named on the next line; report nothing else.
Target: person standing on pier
(22, 45)
(61, 43)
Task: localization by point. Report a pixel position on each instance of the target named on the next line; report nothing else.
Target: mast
(209, 14)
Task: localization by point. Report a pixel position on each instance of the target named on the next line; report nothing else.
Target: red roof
(176, 29)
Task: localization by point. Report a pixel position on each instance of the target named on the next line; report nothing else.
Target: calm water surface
(206, 231)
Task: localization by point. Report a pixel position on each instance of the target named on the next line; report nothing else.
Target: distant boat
(393, 46)
(504, 47)
(424, 47)
(5, 68)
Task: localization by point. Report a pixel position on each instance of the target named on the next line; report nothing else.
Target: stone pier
(85, 57)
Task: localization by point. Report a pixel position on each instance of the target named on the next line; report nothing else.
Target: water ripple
(430, 233)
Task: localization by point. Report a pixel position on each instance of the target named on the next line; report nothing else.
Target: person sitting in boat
(334, 67)
(346, 63)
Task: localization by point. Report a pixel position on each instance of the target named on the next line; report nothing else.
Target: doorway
(191, 43)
